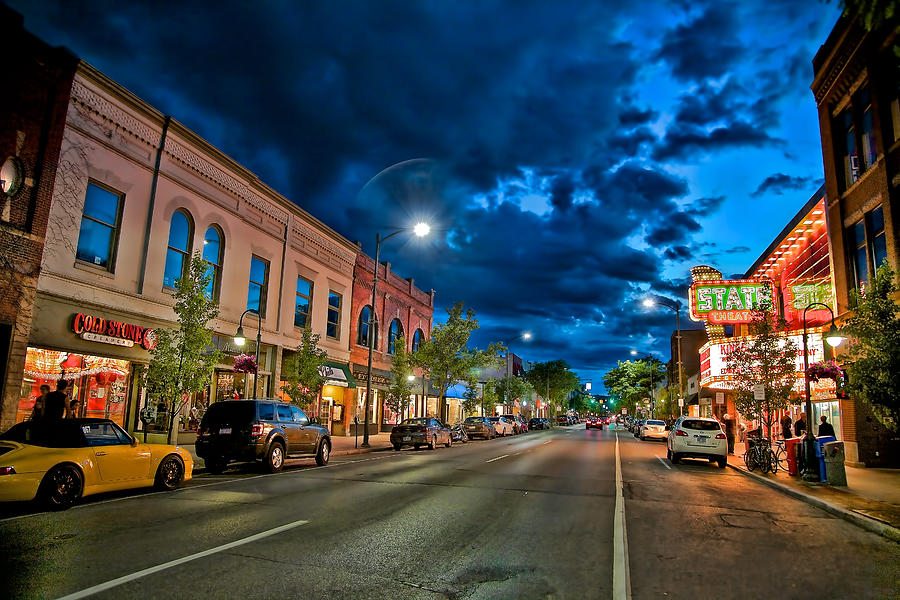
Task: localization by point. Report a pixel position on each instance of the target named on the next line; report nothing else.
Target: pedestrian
(729, 432)
(56, 404)
(800, 425)
(825, 427)
(74, 409)
(39, 402)
(786, 426)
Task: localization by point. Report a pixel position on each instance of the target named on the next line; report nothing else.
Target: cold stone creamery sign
(117, 333)
(727, 302)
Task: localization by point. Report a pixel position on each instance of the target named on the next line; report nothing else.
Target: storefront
(355, 416)
(337, 391)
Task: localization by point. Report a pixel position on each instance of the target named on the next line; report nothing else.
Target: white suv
(697, 437)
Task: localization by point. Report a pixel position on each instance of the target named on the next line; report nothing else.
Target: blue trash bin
(820, 453)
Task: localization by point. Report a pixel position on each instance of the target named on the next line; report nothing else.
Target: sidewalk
(871, 499)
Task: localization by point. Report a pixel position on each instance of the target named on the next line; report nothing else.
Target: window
(303, 304)
(299, 416)
(867, 246)
(333, 328)
(284, 413)
(854, 131)
(259, 281)
(418, 338)
(212, 254)
(179, 249)
(362, 336)
(396, 332)
(99, 227)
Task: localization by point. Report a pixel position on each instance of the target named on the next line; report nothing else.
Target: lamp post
(652, 399)
(676, 307)
(525, 336)
(421, 229)
(239, 341)
(834, 339)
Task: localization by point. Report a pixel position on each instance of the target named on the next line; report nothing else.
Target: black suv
(258, 430)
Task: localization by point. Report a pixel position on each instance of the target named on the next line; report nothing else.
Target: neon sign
(98, 329)
(727, 302)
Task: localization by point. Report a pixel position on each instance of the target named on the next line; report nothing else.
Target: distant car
(517, 422)
(58, 462)
(539, 423)
(458, 433)
(263, 430)
(562, 420)
(653, 429)
(502, 426)
(423, 431)
(480, 427)
(697, 437)
(593, 422)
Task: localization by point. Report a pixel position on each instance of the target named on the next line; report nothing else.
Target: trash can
(835, 474)
(820, 453)
(791, 449)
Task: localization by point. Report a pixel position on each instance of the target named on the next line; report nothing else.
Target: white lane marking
(102, 587)
(621, 577)
(498, 458)
(663, 461)
(547, 442)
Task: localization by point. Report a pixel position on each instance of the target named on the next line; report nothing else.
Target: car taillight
(7, 471)
(257, 429)
(720, 436)
(201, 431)
(680, 432)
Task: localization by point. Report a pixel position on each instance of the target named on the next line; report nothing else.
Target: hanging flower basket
(823, 370)
(244, 363)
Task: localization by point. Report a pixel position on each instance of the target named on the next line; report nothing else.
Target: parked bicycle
(759, 455)
(780, 453)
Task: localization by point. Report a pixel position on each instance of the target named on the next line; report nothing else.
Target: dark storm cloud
(677, 228)
(780, 183)
(632, 116)
(562, 191)
(738, 250)
(703, 47)
(681, 142)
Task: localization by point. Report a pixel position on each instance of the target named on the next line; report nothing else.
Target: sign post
(759, 391)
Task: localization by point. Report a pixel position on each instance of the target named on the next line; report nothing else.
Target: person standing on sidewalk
(786, 426)
(729, 432)
(825, 428)
(800, 425)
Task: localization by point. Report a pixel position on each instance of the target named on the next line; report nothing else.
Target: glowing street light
(676, 307)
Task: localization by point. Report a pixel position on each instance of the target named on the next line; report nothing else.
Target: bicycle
(780, 457)
(759, 455)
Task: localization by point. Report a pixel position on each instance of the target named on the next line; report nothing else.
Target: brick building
(33, 104)
(856, 76)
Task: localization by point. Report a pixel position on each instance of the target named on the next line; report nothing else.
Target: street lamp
(240, 340)
(652, 398)
(420, 229)
(834, 339)
(525, 336)
(676, 307)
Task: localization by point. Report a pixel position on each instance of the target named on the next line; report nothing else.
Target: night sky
(570, 156)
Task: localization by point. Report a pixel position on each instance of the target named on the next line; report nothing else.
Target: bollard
(835, 474)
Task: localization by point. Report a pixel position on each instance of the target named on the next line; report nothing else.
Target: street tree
(470, 396)
(400, 390)
(553, 380)
(492, 395)
(630, 381)
(300, 376)
(873, 352)
(182, 363)
(446, 356)
(768, 358)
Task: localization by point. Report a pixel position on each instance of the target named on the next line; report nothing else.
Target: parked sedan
(502, 426)
(653, 429)
(424, 431)
(58, 462)
(518, 423)
(697, 437)
(480, 427)
(539, 423)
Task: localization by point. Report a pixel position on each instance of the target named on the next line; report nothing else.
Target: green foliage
(470, 397)
(767, 358)
(400, 391)
(632, 381)
(300, 377)
(873, 354)
(446, 356)
(181, 363)
(553, 379)
(872, 13)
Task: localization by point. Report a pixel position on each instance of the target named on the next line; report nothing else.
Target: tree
(301, 380)
(181, 363)
(492, 395)
(873, 353)
(446, 356)
(766, 357)
(399, 393)
(470, 397)
(553, 379)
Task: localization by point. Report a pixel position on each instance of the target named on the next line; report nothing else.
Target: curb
(867, 523)
(202, 470)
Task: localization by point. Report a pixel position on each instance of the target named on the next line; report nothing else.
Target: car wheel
(61, 487)
(449, 442)
(415, 446)
(722, 462)
(170, 473)
(643, 439)
(676, 458)
(323, 453)
(275, 457)
(397, 446)
(215, 465)
(669, 454)
(433, 444)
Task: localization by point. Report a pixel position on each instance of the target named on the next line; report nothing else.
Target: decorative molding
(120, 118)
(840, 58)
(345, 260)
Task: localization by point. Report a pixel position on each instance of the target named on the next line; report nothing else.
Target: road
(533, 516)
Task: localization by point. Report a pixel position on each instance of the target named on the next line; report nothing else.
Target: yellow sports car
(57, 462)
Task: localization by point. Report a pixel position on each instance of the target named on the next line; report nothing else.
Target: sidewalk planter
(835, 473)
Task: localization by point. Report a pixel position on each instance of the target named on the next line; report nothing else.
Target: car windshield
(663, 423)
(474, 420)
(414, 422)
(230, 411)
(494, 419)
(697, 425)
(60, 434)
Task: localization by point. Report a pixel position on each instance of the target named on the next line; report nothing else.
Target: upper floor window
(259, 282)
(396, 332)
(303, 304)
(418, 338)
(99, 233)
(333, 328)
(362, 331)
(212, 254)
(867, 245)
(854, 134)
(179, 250)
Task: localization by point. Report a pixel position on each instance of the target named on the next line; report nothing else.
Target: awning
(693, 399)
(337, 374)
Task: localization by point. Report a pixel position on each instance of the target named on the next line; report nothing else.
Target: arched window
(362, 335)
(212, 254)
(418, 338)
(179, 251)
(395, 332)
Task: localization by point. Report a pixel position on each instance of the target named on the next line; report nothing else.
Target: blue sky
(573, 156)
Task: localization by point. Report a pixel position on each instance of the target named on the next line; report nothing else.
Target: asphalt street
(532, 516)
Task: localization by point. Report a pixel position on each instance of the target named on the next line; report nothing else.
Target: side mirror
(134, 441)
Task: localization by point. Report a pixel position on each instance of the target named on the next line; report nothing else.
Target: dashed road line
(498, 458)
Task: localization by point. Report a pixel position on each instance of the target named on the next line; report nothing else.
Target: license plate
(224, 430)
(702, 438)
(406, 438)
